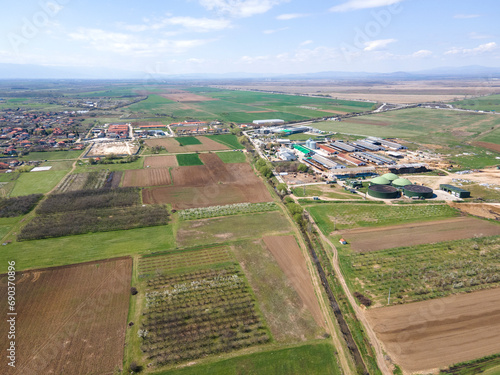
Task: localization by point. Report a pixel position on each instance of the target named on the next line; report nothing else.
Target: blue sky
(255, 36)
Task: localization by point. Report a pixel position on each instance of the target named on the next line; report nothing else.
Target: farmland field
(232, 157)
(484, 103)
(371, 239)
(229, 140)
(415, 273)
(37, 182)
(52, 155)
(163, 161)
(346, 216)
(186, 160)
(189, 314)
(431, 334)
(310, 359)
(147, 177)
(186, 141)
(327, 191)
(226, 229)
(171, 145)
(292, 262)
(88, 335)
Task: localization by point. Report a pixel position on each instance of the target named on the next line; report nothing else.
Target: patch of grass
(231, 228)
(484, 103)
(185, 160)
(185, 141)
(86, 247)
(83, 167)
(232, 157)
(6, 224)
(311, 359)
(152, 103)
(489, 365)
(345, 216)
(324, 191)
(277, 299)
(37, 182)
(488, 194)
(228, 140)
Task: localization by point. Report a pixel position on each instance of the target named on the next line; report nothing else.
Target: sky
(252, 36)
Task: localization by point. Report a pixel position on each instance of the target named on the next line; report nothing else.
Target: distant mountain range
(20, 71)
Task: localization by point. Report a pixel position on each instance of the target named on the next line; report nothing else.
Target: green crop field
(232, 157)
(485, 103)
(345, 216)
(228, 140)
(86, 247)
(429, 126)
(310, 359)
(231, 228)
(152, 103)
(185, 160)
(185, 141)
(37, 182)
(86, 167)
(328, 191)
(422, 272)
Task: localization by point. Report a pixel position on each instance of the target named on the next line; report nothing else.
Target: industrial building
(454, 190)
(303, 150)
(330, 164)
(418, 191)
(390, 176)
(380, 181)
(401, 182)
(286, 154)
(328, 150)
(313, 145)
(383, 192)
(343, 147)
(369, 146)
(274, 121)
(373, 158)
(351, 160)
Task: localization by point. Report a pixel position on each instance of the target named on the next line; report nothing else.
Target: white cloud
(422, 53)
(253, 60)
(187, 23)
(375, 45)
(125, 44)
(483, 48)
(466, 16)
(272, 31)
(290, 16)
(475, 35)
(306, 42)
(362, 4)
(240, 8)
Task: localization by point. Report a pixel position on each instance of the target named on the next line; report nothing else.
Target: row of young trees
(17, 206)
(93, 220)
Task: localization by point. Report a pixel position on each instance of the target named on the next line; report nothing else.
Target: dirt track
(171, 145)
(71, 319)
(372, 239)
(290, 259)
(437, 333)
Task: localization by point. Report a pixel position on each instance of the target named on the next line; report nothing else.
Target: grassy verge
(311, 359)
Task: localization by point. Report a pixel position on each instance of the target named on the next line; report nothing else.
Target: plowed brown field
(214, 183)
(371, 239)
(291, 260)
(437, 333)
(488, 145)
(71, 320)
(146, 177)
(163, 161)
(171, 145)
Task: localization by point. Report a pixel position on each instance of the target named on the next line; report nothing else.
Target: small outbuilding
(454, 190)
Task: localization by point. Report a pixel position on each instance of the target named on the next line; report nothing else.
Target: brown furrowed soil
(146, 177)
(214, 183)
(71, 319)
(488, 211)
(163, 161)
(372, 239)
(437, 333)
(171, 145)
(291, 261)
(488, 145)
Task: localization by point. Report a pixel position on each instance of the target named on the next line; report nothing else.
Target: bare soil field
(147, 177)
(215, 183)
(71, 319)
(488, 145)
(437, 333)
(387, 92)
(299, 178)
(116, 148)
(171, 145)
(488, 211)
(372, 239)
(163, 161)
(291, 261)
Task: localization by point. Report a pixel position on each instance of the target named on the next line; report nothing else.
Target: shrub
(133, 291)
(134, 367)
(18, 206)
